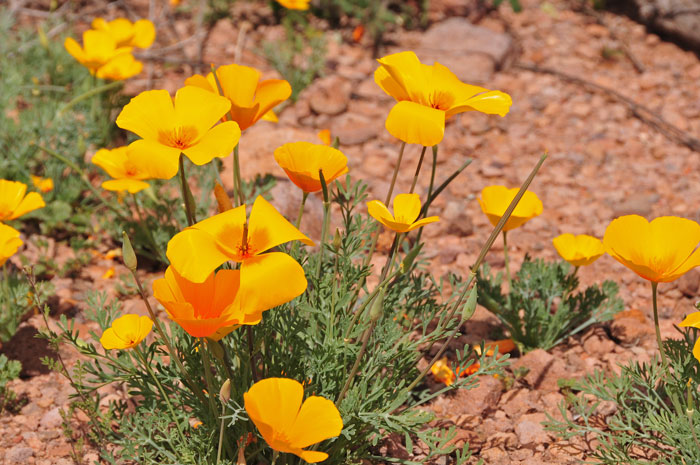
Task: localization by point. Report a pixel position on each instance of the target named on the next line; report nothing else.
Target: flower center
(180, 137)
(440, 100)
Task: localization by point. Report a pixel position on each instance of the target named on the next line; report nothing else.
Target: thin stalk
(166, 340)
(472, 274)
(660, 343)
(251, 350)
(367, 301)
(86, 180)
(221, 435)
(507, 260)
(304, 196)
(186, 194)
(237, 176)
(443, 186)
(424, 211)
(148, 368)
(149, 233)
(206, 364)
(275, 454)
(324, 227)
(87, 95)
(392, 253)
(355, 367)
(420, 164)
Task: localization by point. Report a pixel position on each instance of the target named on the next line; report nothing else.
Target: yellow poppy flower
(442, 372)
(203, 308)
(406, 211)
(693, 320)
(578, 250)
(494, 202)
(129, 170)
(120, 67)
(43, 184)
(139, 34)
(427, 95)
(302, 162)
(184, 125)
(13, 202)
(660, 251)
(199, 249)
(126, 332)
(251, 99)
(288, 425)
(295, 4)
(9, 242)
(98, 49)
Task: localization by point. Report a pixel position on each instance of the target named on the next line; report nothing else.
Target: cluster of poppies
(107, 47)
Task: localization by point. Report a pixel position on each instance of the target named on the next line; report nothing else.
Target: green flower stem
(326, 221)
(148, 368)
(507, 261)
(159, 329)
(90, 93)
(221, 435)
(472, 274)
(356, 366)
(86, 180)
(424, 211)
(304, 196)
(251, 351)
(367, 301)
(149, 233)
(186, 194)
(420, 164)
(392, 253)
(237, 176)
(206, 366)
(664, 360)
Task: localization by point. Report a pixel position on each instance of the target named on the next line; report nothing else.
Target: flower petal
(144, 33)
(257, 295)
(148, 114)
(226, 229)
(493, 102)
(119, 185)
(239, 84)
(29, 203)
(318, 420)
(416, 124)
(311, 456)
(406, 208)
(402, 76)
(199, 109)
(112, 161)
(191, 265)
(269, 94)
(379, 212)
(200, 81)
(217, 142)
(422, 222)
(268, 228)
(73, 47)
(692, 320)
(273, 404)
(153, 159)
(110, 340)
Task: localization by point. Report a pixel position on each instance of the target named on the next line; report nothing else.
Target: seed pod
(470, 306)
(225, 391)
(337, 240)
(222, 199)
(377, 308)
(128, 254)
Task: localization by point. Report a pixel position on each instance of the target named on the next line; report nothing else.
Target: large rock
(472, 52)
(676, 19)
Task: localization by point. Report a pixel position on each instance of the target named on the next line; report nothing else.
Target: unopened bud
(128, 254)
(222, 199)
(225, 391)
(337, 240)
(377, 308)
(470, 306)
(410, 257)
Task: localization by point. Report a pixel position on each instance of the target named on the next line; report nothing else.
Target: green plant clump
(9, 370)
(543, 309)
(656, 418)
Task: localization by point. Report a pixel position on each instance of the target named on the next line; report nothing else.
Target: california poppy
(13, 201)
(251, 99)
(98, 49)
(579, 250)
(288, 425)
(427, 96)
(139, 34)
(126, 332)
(302, 162)
(660, 251)
(9, 242)
(406, 211)
(170, 126)
(494, 202)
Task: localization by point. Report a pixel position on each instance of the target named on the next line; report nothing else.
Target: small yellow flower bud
(128, 253)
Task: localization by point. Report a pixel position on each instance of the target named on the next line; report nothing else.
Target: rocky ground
(604, 161)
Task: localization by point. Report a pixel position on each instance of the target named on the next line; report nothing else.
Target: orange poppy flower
(98, 50)
(494, 202)
(184, 125)
(295, 4)
(130, 171)
(406, 211)
(302, 162)
(579, 250)
(43, 184)
(251, 99)
(199, 249)
(442, 372)
(13, 201)
(126, 332)
(288, 425)
(427, 96)
(203, 308)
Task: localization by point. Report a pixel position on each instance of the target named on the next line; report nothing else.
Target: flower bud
(337, 240)
(222, 199)
(225, 391)
(128, 254)
(470, 306)
(377, 308)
